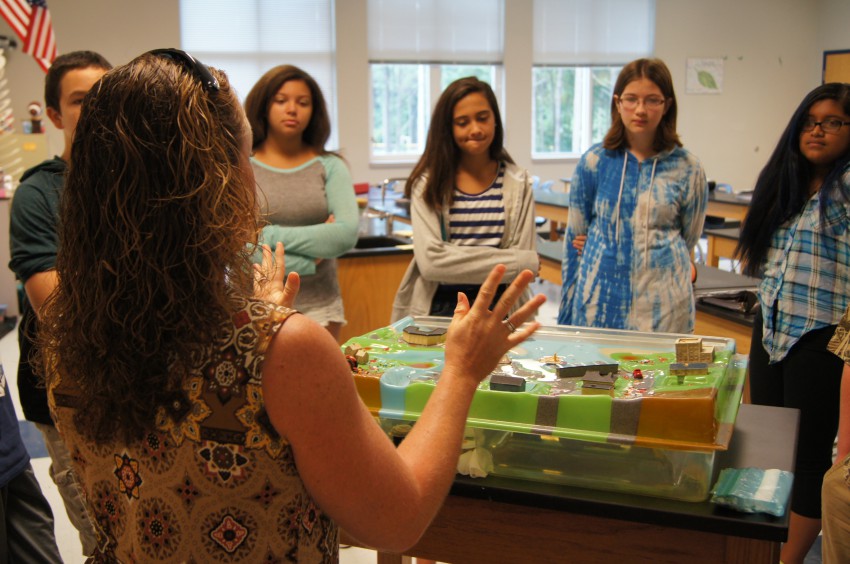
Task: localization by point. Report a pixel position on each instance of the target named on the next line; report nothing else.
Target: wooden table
(499, 520)
(551, 254)
(721, 243)
(554, 206)
(728, 205)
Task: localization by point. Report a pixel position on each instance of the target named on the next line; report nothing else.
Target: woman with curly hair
(207, 419)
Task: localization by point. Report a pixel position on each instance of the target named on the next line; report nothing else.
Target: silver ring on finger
(507, 323)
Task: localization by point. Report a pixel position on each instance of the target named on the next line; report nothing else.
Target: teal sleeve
(324, 240)
(305, 266)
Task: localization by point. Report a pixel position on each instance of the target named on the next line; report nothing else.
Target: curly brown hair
(157, 220)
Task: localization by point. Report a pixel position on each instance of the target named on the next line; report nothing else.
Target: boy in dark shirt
(33, 241)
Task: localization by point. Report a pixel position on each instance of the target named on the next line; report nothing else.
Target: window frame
(429, 91)
(321, 64)
(582, 136)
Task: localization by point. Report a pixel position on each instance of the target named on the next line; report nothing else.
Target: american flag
(31, 21)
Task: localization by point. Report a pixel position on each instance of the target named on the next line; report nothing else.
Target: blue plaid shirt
(806, 284)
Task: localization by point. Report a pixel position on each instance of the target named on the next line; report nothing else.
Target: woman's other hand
(578, 243)
(477, 337)
(269, 276)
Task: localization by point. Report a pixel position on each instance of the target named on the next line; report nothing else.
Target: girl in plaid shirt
(797, 239)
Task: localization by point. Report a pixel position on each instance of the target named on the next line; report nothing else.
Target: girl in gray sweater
(471, 206)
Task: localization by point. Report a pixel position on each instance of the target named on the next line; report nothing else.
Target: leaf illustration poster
(704, 76)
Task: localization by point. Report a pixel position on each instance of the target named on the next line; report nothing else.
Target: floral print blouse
(213, 482)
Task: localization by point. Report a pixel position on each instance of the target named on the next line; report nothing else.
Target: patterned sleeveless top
(214, 482)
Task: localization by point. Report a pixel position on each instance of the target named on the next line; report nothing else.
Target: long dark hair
(656, 71)
(259, 100)
(782, 188)
(156, 214)
(442, 155)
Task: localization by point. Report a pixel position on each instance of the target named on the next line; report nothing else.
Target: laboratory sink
(380, 241)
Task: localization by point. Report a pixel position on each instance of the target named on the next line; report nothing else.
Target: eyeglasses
(631, 102)
(190, 63)
(829, 125)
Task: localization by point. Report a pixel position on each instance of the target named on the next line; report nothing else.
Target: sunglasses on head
(190, 63)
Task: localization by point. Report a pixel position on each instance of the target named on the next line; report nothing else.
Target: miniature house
(502, 382)
(691, 349)
(579, 370)
(594, 380)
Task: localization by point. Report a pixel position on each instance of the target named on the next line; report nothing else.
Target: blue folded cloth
(753, 490)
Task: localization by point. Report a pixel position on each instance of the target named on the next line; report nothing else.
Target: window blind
(436, 31)
(247, 38)
(592, 32)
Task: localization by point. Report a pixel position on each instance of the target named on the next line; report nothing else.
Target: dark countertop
(740, 199)
(712, 281)
(373, 242)
(562, 199)
(724, 232)
(764, 437)
(727, 314)
(376, 238)
(559, 199)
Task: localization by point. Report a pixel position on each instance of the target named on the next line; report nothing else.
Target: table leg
(553, 231)
(711, 254)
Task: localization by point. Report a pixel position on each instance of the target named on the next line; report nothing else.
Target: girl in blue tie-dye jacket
(637, 207)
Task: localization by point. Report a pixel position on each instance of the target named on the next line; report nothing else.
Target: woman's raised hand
(478, 337)
(269, 283)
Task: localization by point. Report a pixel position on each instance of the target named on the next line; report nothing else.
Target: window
(402, 98)
(571, 108)
(416, 49)
(579, 49)
(247, 38)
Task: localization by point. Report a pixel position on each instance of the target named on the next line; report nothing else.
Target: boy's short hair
(62, 65)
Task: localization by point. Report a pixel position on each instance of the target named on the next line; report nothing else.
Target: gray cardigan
(436, 261)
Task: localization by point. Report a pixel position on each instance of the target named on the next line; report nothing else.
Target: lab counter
(497, 520)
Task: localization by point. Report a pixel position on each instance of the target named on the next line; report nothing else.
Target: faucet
(386, 183)
(388, 217)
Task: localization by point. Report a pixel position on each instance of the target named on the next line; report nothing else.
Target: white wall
(118, 30)
(772, 59)
(773, 51)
